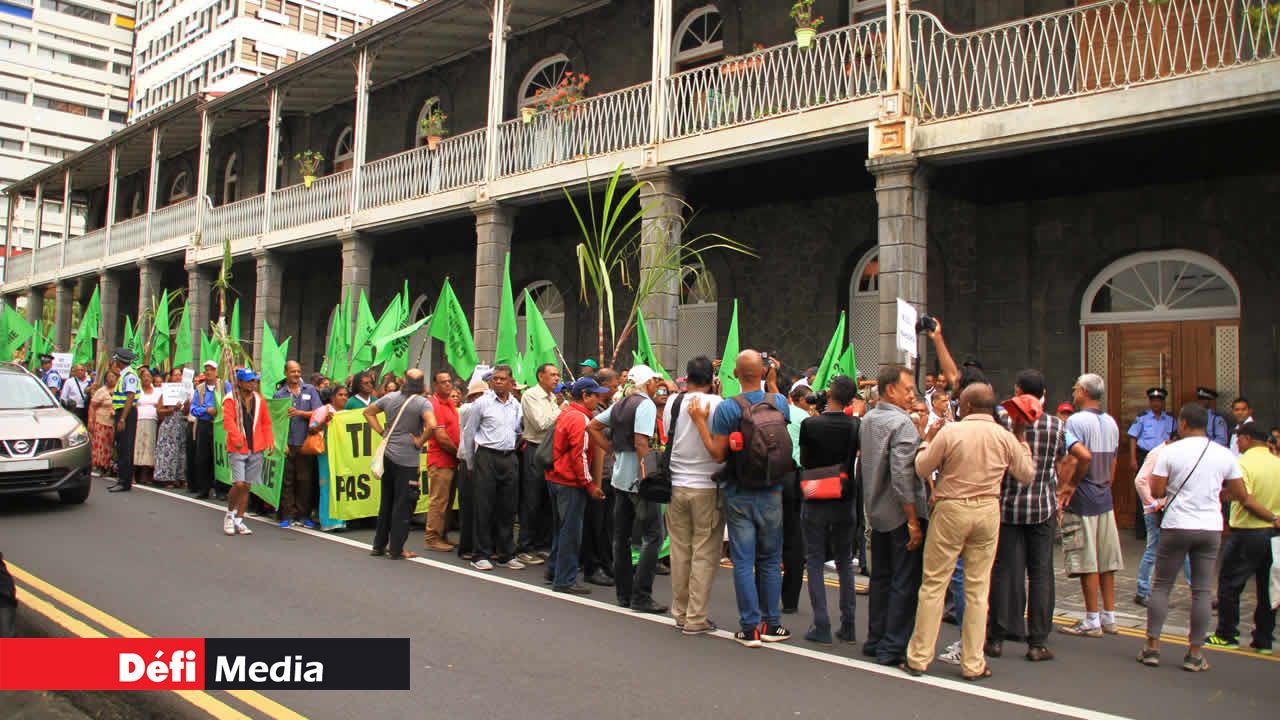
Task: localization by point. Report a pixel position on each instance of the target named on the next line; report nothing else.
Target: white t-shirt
(147, 402)
(1196, 505)
(691, 464)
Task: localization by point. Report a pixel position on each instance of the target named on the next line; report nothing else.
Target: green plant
(433, 123)
(309, 161)
(611, 246)
(1263, 19)
(230, 352)
(802, 13)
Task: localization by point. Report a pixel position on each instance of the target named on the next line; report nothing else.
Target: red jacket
(572, 447)
(263, 438)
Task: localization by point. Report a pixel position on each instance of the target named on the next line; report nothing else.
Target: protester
(489, 447)
(333, 397)
(442, 461)
(407, 421)
(753, 493)
(1151, 428)
(204, 408)
(123, 401)
(830, 440)
(597, 526)
(1255, 520)
(1217, 425)
(74, 395)
(793, 555)
(299, 469)
(362, 393)
(464, 478)
(171, 439)
(1091, 543)
(1065, 411)
(247, 422)
(588, 368)
(144, 444)
(632, 421)
(102, 428)
(539, 406)
(1151, 518)
(1242, 414)
(571, 480)
(1190, 476)
(694, 521)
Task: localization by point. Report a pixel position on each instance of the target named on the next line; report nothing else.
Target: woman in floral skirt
(102, 426)
(171, 440)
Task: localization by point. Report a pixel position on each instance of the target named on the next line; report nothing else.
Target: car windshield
(22, 392)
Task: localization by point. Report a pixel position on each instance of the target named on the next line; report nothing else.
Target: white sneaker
(229, 525)
(951, 655)
(830, 565)
(242, 529)
(482, 564)
(513, 564)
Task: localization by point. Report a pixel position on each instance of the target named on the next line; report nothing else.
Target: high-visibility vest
(118, 396)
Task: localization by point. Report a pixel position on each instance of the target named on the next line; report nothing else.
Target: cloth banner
(353, 491)
(272, 463)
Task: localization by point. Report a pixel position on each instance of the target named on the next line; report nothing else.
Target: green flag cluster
(41, 344)
(90, 330)
(540, 345)
(274, 357)
(449, 325)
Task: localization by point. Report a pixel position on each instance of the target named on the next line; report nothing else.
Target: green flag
(847, 365)
(337, 354)
(90, 328)
(208, 350)
(17, 331)
(132, 338)
(451, 327)
(361, 345)
(507, 348)
(233, 330)
(392, 321)
(40, 345)
(830, 358)
(273, 359)
(182, 340)
(644, 353)
(393, 349)
(161, 336)
(539, 344)
(729, 385)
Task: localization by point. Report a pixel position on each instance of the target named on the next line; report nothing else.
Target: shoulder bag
(655, 484)
(377, 464)
(828, 482)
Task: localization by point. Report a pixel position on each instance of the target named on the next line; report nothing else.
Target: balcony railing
(87, 247)
(129, 235)
(17, 267)
(232, 221)
(174, 221)
(843, 64)
(327, 198)
(456, 162)
(1098, 47)
(594, 126)
(48, 258)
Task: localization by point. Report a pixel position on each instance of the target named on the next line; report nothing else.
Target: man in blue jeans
(753, 504)
(570, 482)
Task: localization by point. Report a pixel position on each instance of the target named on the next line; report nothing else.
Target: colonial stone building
(1068, 186)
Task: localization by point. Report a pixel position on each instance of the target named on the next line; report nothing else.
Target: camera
(817, 400)
(768, 361)
(926, 323)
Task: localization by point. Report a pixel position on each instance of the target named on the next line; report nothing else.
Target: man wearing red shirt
(442, 461)
(570, 482)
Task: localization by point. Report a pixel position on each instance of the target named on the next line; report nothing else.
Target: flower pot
(804, 36)
(308, 179)
(433, 142)
(526, 114)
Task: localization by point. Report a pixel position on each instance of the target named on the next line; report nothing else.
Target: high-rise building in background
(188, 46)
(64, 84)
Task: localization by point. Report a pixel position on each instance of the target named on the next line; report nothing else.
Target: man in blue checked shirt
(1148, 431)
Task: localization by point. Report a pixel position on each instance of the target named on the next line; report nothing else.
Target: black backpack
(765, 458)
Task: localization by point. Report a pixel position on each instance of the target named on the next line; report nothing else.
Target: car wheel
(74, 496)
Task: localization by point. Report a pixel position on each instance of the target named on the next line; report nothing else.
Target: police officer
(48, 375)
(1148, 431)
(122, 402)
(1217, 430)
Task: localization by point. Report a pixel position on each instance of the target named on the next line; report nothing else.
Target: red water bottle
(735, 441)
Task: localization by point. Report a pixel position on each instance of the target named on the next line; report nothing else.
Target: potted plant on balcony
(806, 23)
(433, 127)
(309, 164)
(528, 111)
(749, 62)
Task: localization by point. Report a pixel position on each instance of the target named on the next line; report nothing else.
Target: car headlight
(78, 437)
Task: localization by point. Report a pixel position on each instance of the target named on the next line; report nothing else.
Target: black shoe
(950, 619)
(599, 577)
(198, 494)
(846, 633)
(790, 610)
(119, 488)
(650, 607)
(1140, 600)
(994, 648)
(548, 578)
(574, 590)
(624, 603)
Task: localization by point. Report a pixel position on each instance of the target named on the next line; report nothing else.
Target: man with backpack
(570, 481)
(749, 433)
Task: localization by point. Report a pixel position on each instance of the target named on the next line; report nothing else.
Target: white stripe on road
(958, 686)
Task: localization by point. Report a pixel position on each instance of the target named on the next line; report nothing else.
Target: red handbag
(824, 483)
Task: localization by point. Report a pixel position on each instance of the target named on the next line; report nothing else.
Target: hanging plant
(309, 164)
(807, 23)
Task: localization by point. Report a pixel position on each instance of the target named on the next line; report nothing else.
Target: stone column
(35, 303)
(660, 230)
(494, 223)
(902, 195)
(109, 303)
(148, 284)
(267, 302)
(199, 289)
(357, 266)
(66, 292)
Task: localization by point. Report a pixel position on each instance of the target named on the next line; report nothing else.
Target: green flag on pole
(644, 353)
(392, 321)
(161, 336)
(90, 328)
(830, 358)
(847, 364)
(450, 326)
(507, 348)
(132, 338)
(182, 340)
(40, 345)
(393, 349)
(273, 359)
(17, 331)
(208, 350)
(337, 354)
(361, 345)
(234, 328)
(729, 385)
(539, 344)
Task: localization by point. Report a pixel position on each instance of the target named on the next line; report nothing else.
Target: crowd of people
(950, 500)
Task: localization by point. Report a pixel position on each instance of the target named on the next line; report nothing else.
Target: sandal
(1195, 664)
(1149, 657)
(986, 673)
(406, 555)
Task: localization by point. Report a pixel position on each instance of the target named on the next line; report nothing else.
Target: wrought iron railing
(593, 126)
(327, 198)
(87, 247)
(457, 161)
(232, 221)
(843, 64)
(174, 221)
(129, 235)
(1096, 47)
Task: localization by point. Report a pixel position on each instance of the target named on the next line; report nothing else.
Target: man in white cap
(633, 421)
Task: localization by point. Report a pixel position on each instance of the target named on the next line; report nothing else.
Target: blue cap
(585, 385)
(246, 374)
(562, 387)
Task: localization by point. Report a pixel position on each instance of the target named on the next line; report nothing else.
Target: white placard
(479, 373)
(173, 393)
(907, 342)
(189, 380)
(62, 364)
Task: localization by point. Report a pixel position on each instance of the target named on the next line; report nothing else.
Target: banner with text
(272, 462)
(353, 491)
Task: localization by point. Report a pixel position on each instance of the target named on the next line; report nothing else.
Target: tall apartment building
(64, 85)
(188, 46)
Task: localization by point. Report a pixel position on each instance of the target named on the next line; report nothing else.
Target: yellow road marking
(253, 699)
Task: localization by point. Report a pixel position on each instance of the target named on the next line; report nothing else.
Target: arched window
(697, 317)
(546, 74)
(698, 38)
(420, 345)
(550, 304)
(230, 180)
(431, 103)
(180, 188)
(864, 308)
(344, 150)
(1161, 287)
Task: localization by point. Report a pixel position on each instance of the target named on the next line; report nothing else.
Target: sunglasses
(663, 392)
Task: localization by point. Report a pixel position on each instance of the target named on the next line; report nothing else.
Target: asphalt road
(502, 645)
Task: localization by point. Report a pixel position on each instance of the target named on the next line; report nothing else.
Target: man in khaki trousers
(971, 458)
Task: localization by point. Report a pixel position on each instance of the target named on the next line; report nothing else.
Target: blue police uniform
(1217, 430)
(1149, 430)
(52, 380)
